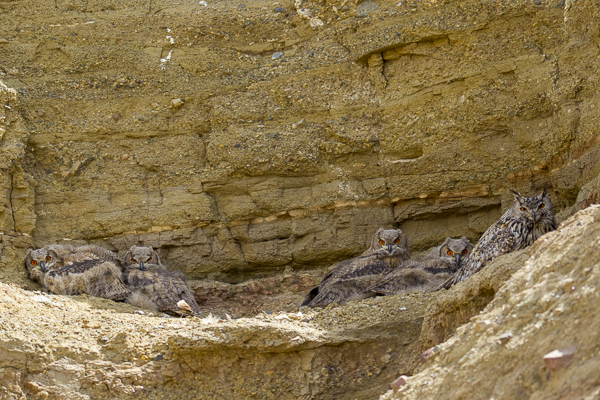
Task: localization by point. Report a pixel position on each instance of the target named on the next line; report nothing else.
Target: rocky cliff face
(255, 144)
(244, 139)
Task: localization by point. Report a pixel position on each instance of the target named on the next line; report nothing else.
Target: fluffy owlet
(38, 262)
(68, 270)
(527, 219)
(154, 287)
(349, 278)
(424, 275)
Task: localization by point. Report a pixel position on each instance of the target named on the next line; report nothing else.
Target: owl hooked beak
(43, 266)
(458, 259)
(142, 265)
(389, 248)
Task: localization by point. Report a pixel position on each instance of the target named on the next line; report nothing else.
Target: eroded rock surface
(173, 125)
(551, 303)
(253, 145)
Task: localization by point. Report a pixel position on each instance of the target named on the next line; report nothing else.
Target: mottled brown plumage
(426, 274)
(154, 287)
(93, 277)
(389, 248)
(68, 270)
(527, 219)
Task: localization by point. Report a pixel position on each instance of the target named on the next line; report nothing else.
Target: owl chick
(68, 270)
(38, 262)
(450, 255)
(154, 287)
(527, 219)
(425, 275)
(347, 279)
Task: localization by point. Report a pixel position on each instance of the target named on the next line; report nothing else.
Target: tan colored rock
(559, 359)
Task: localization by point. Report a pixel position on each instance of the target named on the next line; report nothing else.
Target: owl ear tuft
(544, 191)
(403, 240)
(517, 195)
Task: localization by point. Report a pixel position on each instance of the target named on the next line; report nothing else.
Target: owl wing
(164, 288)
(497, 240)
(344, 290)
(357, 267)
(68, 279)
(405, 279)
(106, 281)
(93, 277)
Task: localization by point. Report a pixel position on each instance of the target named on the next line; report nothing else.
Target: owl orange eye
(523, 209)
(381, 242)
(33, 262)
(132, 260)
(542, 205)
(464, 252)
(450, 253)
(396, 240)
(48, 258)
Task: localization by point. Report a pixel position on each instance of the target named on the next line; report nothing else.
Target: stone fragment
(399, 382)
(365, 8)
(302, 122)
(481, 326)
(177, 103)
(558, 359)
(41, 299)
(116, 116)
(276, 55)
(427, 354)
(279, 9)
(3, 41)
(505, 337)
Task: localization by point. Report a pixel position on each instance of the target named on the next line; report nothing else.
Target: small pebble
(279, 9)
(177, 103)
(276, 55)
(140, 312)
(345, 8)
(158, 357)
(242, 6)
(41, 299)
(558, 359)
(537, 2)
(428, 353)
(398, 383)
(116, 117)
(505, 337)
(124, 157)
(3, 41)
(365, 8)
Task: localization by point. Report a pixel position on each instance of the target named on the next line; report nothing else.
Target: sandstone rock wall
(416, 114)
